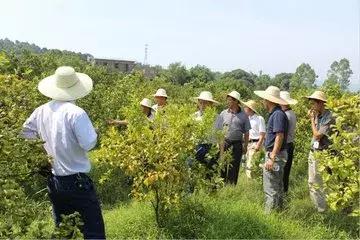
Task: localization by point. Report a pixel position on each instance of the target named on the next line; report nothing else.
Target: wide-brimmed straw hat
(206, 96)
(250, 104)
(66, 85)
(318, 95)
(146, 103)
(286, 96)
(271, 94)
(235, 95)
(160, 93)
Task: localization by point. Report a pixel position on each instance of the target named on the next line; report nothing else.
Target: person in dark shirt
(275, 145)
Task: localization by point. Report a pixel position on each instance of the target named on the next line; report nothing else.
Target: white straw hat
(250, 104)
(271, 94)
(235, 94)
(160, 93)
(146, 103)
(286, 96)
(318, 95)
(206, 96)
(66, 85)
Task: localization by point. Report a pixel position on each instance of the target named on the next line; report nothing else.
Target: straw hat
(234, 94)
(66, 85)
(250, 104)
(160, 93)
(271, 94)
(206, 96)
(286, 96)
(318, 95)
(146, 103)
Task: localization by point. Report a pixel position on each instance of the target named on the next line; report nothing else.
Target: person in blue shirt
(275, 146)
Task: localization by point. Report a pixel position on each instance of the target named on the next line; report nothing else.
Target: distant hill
(17, 47)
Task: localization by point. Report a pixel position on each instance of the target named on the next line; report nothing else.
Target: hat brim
(228, 95)
(83, 87)
(270, 98)
(315, 98)
(208, 100)
(160, 95)
(246, 105)
(291, 101)
(146, 106)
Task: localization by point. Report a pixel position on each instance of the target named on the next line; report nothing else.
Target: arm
(262, 130)
(279, 128)
(246, 142)
(260, 142)
(219, 126)
(316, 134)
(29, 130)
(85, 132)
(246, 128)
(277, 146)
(117, 122)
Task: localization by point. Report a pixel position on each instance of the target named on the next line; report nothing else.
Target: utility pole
(146, 54)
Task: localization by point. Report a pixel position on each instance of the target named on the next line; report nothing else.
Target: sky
(271, 36)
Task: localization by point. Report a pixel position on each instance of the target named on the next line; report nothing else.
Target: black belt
(72, 176)
(253, 140)
(233, 141)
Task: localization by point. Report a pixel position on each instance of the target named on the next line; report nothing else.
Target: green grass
(233, 212)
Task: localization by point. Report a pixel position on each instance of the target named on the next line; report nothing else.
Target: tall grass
(233, 212)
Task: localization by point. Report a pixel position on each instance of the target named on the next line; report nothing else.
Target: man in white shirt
(68, 135)
(256, 134)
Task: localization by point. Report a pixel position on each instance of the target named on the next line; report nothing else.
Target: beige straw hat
(66, 85)
(206, 96)
(250, 104)
(235, 94)
(318, 95)
(271, 94)
(160, 93)
(146, 103)
(286, 96)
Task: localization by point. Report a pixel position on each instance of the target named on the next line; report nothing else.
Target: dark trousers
(76, 193)
(287, 168)
(201, 155)
(231, 173)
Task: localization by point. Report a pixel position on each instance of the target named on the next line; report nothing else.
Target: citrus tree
(339, 164)
(159, 154)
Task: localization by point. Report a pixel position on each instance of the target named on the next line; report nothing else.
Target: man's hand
(269, 165)
(272, 156)
(270, 162)
(312, 114)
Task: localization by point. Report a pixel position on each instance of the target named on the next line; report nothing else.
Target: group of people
(68, 135)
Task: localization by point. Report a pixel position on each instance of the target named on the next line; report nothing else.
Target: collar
(229, 111)
(253, 116)
(275, 109)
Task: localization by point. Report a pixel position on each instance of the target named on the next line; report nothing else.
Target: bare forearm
(246, 139)
(261, 140)
(315, 132)
(278, 142)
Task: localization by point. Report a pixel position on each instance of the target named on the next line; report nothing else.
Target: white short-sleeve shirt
(257, 126)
